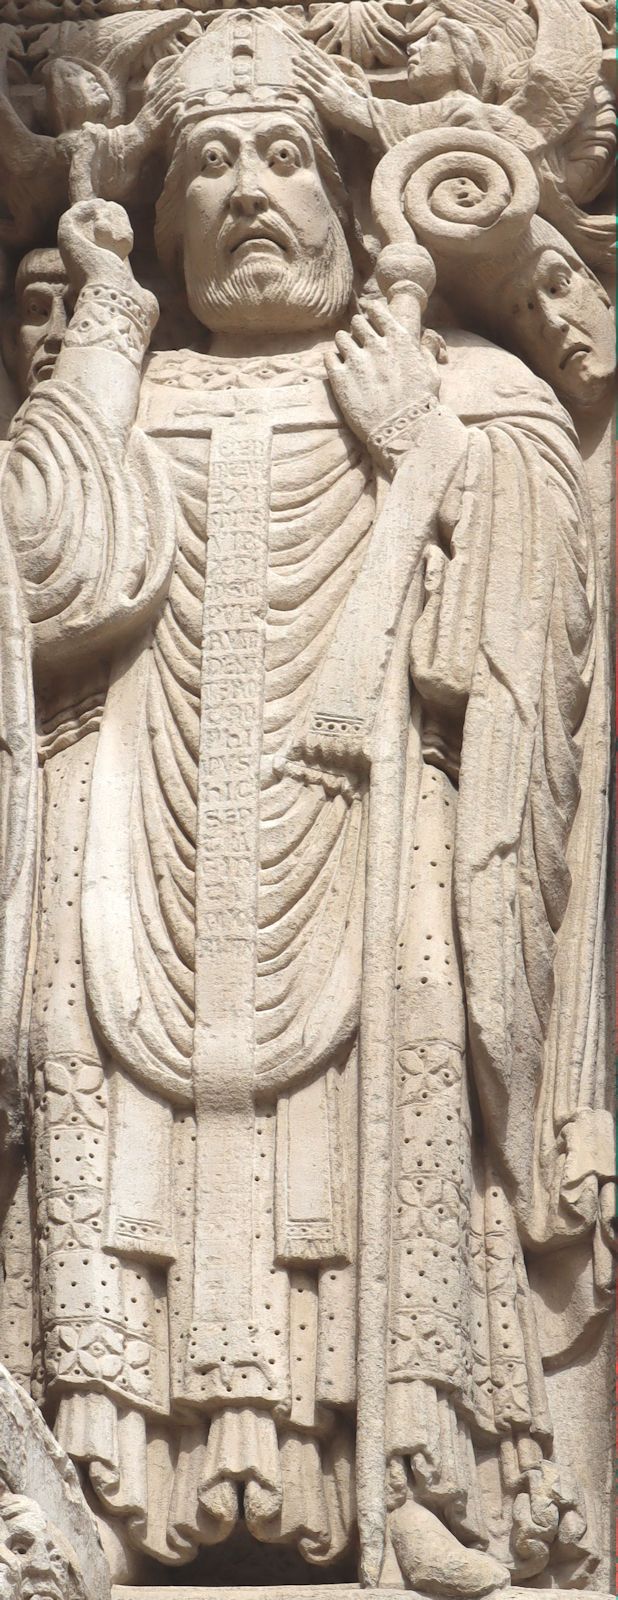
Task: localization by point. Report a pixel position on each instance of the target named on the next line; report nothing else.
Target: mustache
(268, 225)
(318, 284)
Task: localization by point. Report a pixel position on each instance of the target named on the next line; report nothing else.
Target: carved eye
(284, 156)
(560, 283)
(20, 1544)
(35, 308)
(215, 160)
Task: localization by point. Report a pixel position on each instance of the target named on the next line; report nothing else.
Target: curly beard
(275, 294)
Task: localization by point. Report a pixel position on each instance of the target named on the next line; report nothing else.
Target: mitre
(243, 62)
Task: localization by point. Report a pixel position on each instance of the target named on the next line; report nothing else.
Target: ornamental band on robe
(308, 1151)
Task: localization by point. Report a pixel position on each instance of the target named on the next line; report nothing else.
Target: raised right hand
(95, 238)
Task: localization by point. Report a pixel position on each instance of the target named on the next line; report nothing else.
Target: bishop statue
(319, 651)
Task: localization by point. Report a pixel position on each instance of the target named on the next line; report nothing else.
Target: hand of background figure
(333, 95)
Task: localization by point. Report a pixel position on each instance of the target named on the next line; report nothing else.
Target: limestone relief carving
(48, 1544)
(308, 1192)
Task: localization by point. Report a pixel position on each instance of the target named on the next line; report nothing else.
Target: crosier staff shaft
(406, 292)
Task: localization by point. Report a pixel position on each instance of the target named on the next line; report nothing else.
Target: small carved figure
(559, 318)
(546, 305)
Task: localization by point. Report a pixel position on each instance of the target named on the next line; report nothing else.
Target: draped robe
(206, 555)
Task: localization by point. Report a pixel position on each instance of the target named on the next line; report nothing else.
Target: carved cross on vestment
(225, 1339)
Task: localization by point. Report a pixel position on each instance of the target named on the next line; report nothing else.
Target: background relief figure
(322, 1151)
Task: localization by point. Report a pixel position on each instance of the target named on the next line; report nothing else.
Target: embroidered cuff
(390, 443)
(113, 319)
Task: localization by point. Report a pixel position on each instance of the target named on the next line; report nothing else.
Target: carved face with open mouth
(263, 246)
(563, 325)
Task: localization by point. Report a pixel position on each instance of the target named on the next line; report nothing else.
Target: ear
(8, 343)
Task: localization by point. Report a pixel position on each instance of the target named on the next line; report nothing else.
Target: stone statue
(322, 1148)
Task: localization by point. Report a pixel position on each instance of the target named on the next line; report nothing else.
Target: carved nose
(56, 327)
(248, 198)
(553, 316)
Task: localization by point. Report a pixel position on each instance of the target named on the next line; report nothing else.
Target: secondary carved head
(43, 303)
(258, 224)
(76, 94)
(38, 1559)
(449, 56)
(561, 321)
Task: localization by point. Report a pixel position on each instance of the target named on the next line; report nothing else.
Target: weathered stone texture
(307, 1203)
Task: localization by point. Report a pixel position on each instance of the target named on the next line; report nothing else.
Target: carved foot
(432, 1559)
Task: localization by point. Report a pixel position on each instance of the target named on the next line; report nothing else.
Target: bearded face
(264, 249)
(36, 1562)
